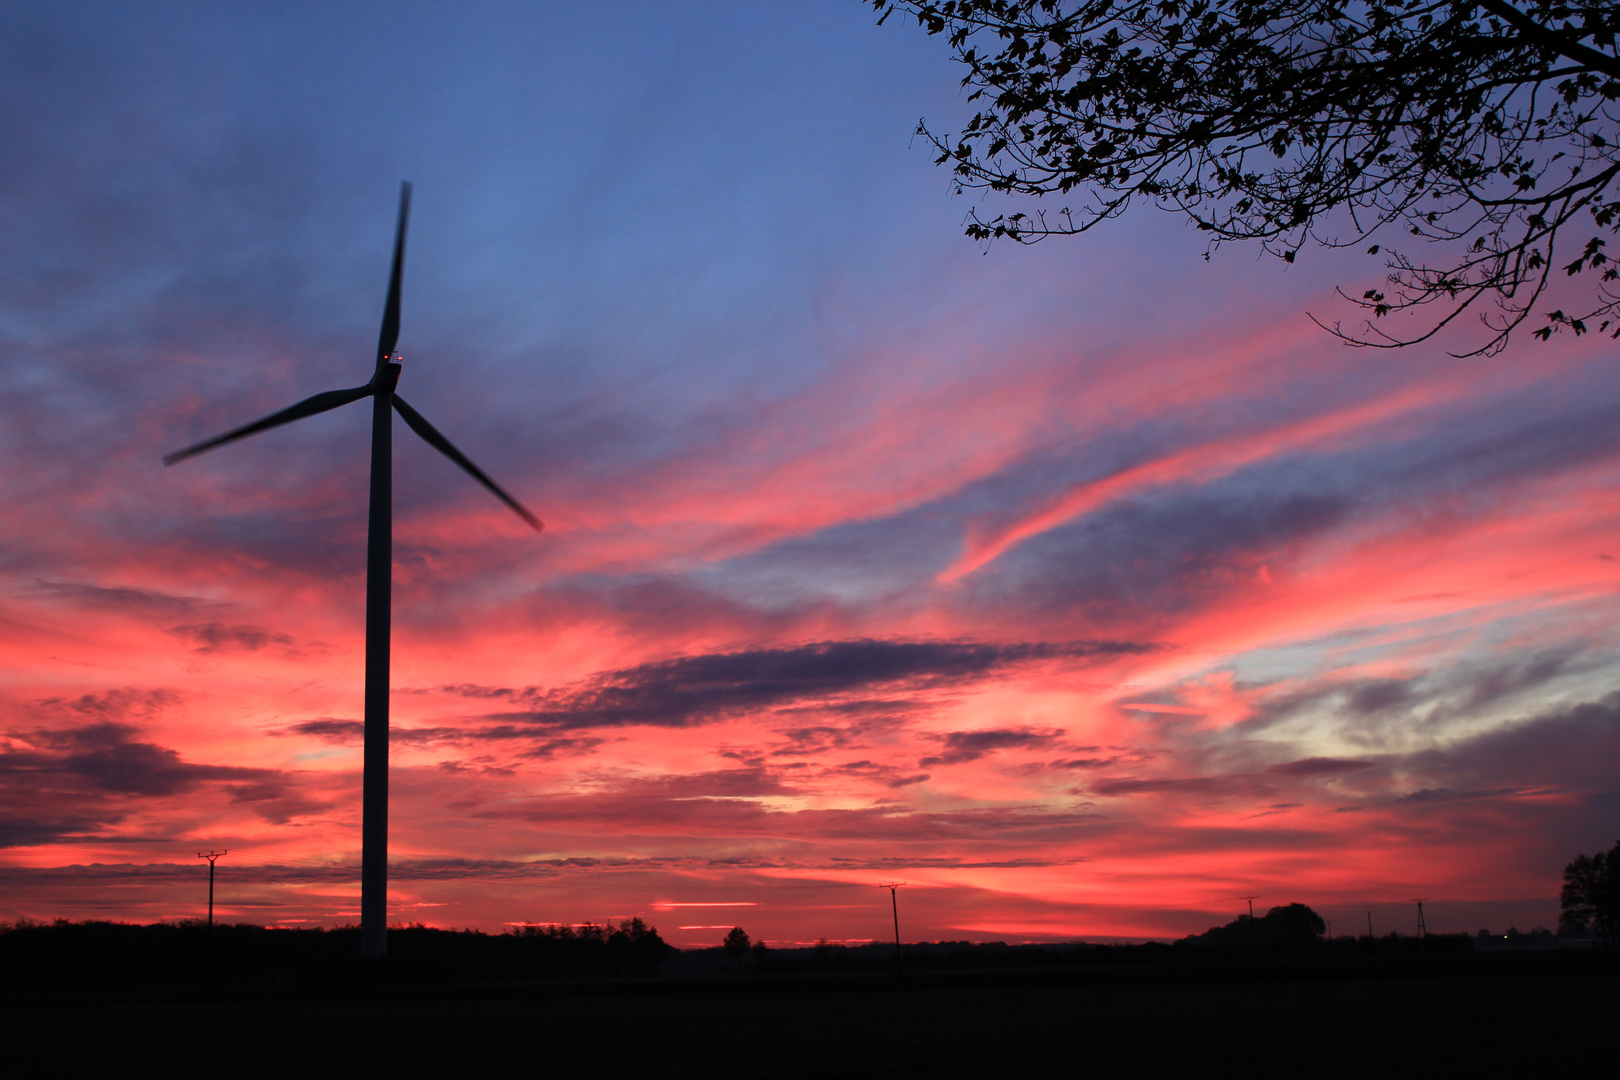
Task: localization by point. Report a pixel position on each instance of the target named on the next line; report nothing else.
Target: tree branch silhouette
(1474, 136)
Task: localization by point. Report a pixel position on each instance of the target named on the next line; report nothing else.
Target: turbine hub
(387, 378)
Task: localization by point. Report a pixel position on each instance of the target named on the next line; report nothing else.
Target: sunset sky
(1083, 587)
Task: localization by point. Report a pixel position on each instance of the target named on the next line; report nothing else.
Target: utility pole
(894, 905)
(1369, 922)
(212, 857)
(1422, 929)
(1254, 935)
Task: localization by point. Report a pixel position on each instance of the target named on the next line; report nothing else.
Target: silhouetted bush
(1289, 927)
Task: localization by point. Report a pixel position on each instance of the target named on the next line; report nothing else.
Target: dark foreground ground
(1522, 1020)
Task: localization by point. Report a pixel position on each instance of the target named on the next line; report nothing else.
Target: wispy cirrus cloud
(1198, 464)
(122, 599)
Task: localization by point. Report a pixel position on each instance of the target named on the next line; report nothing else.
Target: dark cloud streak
(700, 689)
(965, 746)
(208, 638)
(63, 783)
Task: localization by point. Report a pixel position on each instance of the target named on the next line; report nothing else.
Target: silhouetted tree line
(630, 948)
(1295, 932)
(69, 956)
(1289, 926)
(1590, 900)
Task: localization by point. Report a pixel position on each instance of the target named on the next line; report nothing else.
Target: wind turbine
(379, 567)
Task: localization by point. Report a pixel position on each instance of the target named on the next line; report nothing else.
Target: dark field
(1480, 1025)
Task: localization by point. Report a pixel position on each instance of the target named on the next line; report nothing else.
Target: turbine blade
(431, 436)
(320, 403)
(390, 323)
